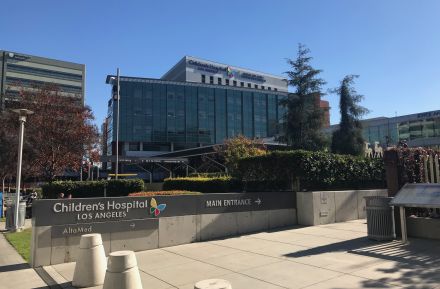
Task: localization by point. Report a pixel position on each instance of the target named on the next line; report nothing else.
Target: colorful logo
(229, 72)
(156, 209)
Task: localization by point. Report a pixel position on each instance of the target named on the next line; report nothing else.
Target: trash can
(10, 215)
(380, 218)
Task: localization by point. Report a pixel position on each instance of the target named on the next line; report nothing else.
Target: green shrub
(163, 193)
(314, 171)
(209, 175)
(202, 184)
(117, 188)
(91, 189)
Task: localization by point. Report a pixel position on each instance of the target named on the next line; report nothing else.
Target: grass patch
(21, 241)
(2, 219)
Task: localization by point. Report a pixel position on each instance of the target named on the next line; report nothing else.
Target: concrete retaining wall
(423, 228)
(170, 231)
(325, 207)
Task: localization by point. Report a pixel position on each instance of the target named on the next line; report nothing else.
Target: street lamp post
(117, 119)
(22, 114)
(117, 124)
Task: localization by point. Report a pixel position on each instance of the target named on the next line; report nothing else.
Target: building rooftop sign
(207, 67)
(435, 113)
(212, 68)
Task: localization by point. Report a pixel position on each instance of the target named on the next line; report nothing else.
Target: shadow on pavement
(14, 267)
(414, 264)
(342, 246)
(417, 252)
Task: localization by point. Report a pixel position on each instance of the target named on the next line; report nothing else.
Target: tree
(239, 147)
(58, 134)
(347, 139)
(304, 118)
(8, 156)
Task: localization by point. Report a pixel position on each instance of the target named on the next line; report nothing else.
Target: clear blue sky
(393, 45)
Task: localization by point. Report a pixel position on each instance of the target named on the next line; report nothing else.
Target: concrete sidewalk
(15, 273)
(335, 256)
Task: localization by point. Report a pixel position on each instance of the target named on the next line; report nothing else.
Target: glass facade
(157, 114)
(421, 129)
(418, 129)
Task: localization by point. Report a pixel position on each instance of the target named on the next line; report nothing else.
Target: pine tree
(347, 139)
(304, 118)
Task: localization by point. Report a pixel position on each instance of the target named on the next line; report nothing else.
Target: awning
(138, 160)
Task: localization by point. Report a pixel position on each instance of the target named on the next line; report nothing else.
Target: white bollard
(91, 262)
(213, 284)
(122, 271)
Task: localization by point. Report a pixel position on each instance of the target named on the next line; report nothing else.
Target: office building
(196, 104)
(325, 106)
(419, 129)
(18, 70)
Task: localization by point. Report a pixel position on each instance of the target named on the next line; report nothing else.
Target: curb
(53, 279)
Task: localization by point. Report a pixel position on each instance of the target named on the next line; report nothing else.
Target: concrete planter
(326, 207)
(423, 228)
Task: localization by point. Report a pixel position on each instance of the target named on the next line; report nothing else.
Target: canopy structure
(416, 196)
(133, 159)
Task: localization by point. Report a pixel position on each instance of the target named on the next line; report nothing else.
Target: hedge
(90, 189)
(410, 163)
(279, 170)
(163, 193)
(208, 175)
(202, 184)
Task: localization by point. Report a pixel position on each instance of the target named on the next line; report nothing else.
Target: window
(235, 83)
(44, 72)
(269, 88)
(227, 81)
(134, 146)
(242, 84)
(211, 79)
(12, 81)
(275, 89)
(203, 78)
(249, 85)
(256, 85)
(262, 87)
(219, 81)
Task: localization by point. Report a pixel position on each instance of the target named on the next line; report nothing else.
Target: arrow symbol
(132, 225)
(258, 201)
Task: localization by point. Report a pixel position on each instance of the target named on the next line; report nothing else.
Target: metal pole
(81, 172)
(3, 195)
(22, 119)
(403, 225)
(97, 173)
(3, 183)
(117, 125)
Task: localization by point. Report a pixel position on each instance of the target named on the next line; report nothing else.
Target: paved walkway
(335, 256)
(15, 273)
